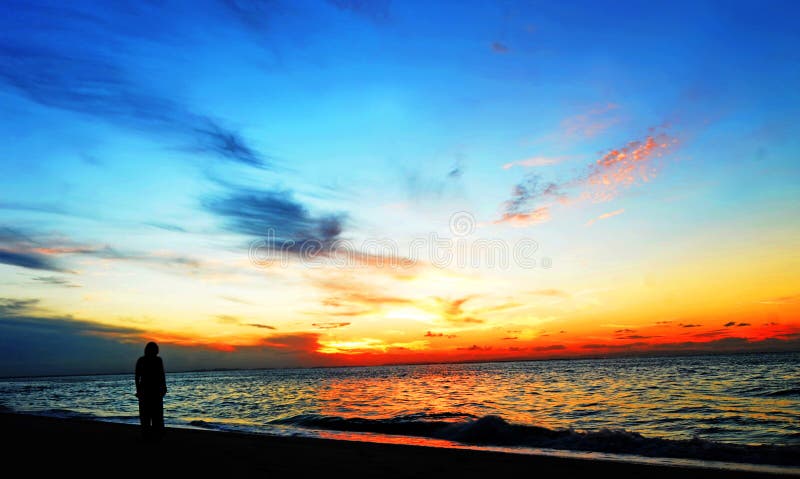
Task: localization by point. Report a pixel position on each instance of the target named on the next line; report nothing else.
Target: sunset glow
(331, 184)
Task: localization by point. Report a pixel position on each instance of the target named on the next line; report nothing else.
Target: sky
(280, 184)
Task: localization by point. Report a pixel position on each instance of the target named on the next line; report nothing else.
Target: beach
(67, 446)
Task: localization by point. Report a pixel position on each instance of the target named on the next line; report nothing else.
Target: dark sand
(69, 446)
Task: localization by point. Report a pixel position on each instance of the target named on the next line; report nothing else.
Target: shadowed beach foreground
(70, 445)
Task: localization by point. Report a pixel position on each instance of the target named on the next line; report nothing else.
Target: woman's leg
(145, 417)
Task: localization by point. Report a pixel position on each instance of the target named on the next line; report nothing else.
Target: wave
(204, 424)
(784, 392)
(495, 431)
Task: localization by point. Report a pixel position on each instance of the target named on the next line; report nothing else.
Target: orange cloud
(603, 180)
(627, 165)
(330, 325)
(783, 300)
(350, 298)
(605, 216)
(453, 311)
(534, 217)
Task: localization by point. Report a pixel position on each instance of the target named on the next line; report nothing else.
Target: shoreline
(687, 354)
(81, 445)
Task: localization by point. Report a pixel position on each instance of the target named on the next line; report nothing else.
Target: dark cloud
(732, 345)
(689, 325)
(509, 338)
(28, 260)
(730, 323)
(716, 333)
(626, 330)
(277, 216)
(498, 47)
(330, 325)
(614, 346)
(166, 227)
(525, 196)
(457, 171)
(259, 325)
(33, 342)
(475, 347)
(55, 65)
(11, 307)
(377, 11)
(430, 334)
(56, 281)
(228, 319)
(552, 347)
(19, 248)
(46, 252)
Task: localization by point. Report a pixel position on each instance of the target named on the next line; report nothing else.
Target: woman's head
(151, 349)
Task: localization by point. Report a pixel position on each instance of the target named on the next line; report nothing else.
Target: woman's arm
(163, 380)
(138, 376)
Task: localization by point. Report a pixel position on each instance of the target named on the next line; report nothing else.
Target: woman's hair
(151, 349)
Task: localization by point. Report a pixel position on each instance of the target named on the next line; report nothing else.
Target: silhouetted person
(151, 387)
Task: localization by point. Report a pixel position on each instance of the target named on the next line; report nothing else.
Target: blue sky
(148, 145)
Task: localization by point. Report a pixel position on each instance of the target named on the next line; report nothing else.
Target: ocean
(733, 408)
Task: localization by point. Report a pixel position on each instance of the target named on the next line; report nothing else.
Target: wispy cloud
(551, 292)
(28, 260)
(552, 347)
(229, 319)
(18, 248)
(256, 213)
(330, 325)
(533, 199)
(452, 310)
(166, 226)
(13, 307)
(424, 184)
(520, 209)
(528, 218)
(592, 122)
(475, 347)
(377, 11)
(498, 47)
(55, 67)
(56, 281)
(348, 298)
(535, 161)
(431, 334)
(73, 344)
(49, 251)
(605, 216)
(795, 298)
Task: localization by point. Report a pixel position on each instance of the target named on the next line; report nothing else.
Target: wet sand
(70, 446)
